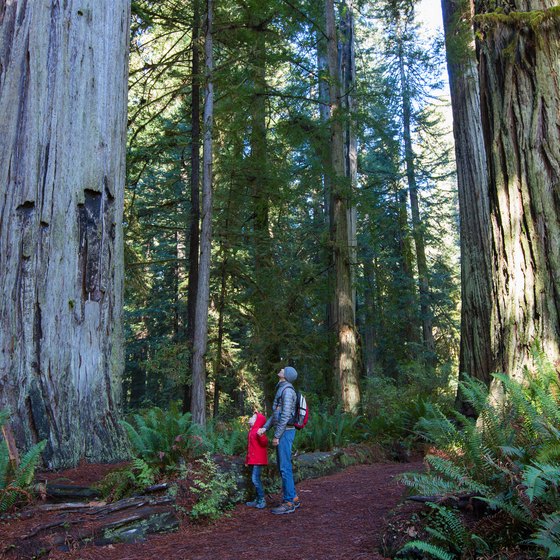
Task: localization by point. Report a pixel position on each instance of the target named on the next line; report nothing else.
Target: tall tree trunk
(63, 90)
(194, 230)
(346, 355)
(224, 251)
(417, 226)
(348, 80)
(324, 112)
(369, 348)
(475, 357)
(519, 65)
(220, 341)
(198, 399)
(406, 283)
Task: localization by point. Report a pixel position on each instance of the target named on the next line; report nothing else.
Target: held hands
(261, 431)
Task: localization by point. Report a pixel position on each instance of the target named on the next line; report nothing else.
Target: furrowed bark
(63, 76)
(519, 65)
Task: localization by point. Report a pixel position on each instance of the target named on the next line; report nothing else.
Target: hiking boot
(297, 502)
(284, 507)
(259, 503)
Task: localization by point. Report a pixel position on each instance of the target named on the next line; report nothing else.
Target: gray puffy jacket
(283, 409)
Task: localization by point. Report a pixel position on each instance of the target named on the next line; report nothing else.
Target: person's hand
(275, 441)
(261, 431)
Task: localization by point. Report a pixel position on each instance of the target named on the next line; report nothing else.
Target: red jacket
(256, 445)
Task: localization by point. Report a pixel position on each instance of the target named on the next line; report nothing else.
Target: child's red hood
(259, 422)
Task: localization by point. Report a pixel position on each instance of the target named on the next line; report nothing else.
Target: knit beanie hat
(290, 374)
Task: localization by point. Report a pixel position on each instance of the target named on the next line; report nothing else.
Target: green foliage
(392, 410)
(213, 489)
(15, 482)
(428, 548)
(127, 481)
(226, 439)
(327, 430)
(164, 438)
(547, 535)
(498, 459)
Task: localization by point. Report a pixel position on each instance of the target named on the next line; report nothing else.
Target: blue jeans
(284, 460)
(256, 478)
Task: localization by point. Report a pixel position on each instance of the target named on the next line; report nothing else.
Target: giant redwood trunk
(475, 357)
(63, 70)
(519, 65)
(346, 352)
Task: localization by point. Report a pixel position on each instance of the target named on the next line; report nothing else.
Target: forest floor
(347, 515)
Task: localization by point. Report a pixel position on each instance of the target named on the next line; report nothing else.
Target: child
(257, 457)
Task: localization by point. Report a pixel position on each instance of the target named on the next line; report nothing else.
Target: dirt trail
(341, 517)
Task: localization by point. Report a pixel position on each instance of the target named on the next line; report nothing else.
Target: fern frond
(432, 550)
(519, 511)
(539, 477)
(548, 535)
(455, 473)
(475, 393)
(4, 464)
(26, 469)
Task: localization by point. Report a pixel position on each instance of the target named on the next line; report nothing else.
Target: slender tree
(194, 230)
(475, 357)
(63, 71)
(348, 81)
(198, 399)
(411, 178)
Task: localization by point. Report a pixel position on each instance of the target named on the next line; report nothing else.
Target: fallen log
(128, 520)
(67, 493)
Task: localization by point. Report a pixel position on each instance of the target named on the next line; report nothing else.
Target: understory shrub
(327, 430)
(15, 481)
(213, 489)
(127, 481)
(226, 438)
(392, 408)
(506, 463)
(165, 439)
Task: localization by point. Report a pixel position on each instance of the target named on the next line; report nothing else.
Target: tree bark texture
(346, 354)
(348, 79)
(63, 101)
(324, 112)
(194, 229)
(198, 399)
(519, 66)
(475, 357)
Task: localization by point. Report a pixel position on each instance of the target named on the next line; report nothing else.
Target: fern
(541, 481)
(4, 464)
(548, 535)
(143, 473)
(163, 439)
(14, 483)
(428, 548)
(509, 457)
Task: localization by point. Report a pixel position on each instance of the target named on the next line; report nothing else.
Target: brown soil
(342, 517)
(85, 474)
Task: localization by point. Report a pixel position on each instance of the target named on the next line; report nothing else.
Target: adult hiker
(282, 418)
